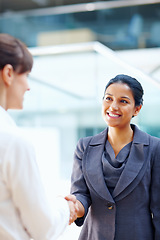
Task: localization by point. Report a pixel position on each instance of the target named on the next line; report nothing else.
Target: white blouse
(24, 210)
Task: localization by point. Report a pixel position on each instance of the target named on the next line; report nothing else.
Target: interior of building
(77, 47)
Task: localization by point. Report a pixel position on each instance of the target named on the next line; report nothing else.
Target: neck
(120, 136)
(2, 96)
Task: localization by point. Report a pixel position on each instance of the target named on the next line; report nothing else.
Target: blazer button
(110, 206)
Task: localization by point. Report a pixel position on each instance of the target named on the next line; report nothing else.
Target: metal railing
(96, 47)
(83, 7)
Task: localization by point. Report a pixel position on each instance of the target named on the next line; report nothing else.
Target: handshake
(73, 207)
(76, 208)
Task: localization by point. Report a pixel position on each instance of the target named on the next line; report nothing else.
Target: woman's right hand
(78, 206)
(72, 203)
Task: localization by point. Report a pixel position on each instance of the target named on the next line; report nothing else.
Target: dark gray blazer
(133, 211)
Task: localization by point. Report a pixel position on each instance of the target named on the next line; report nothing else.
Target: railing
(96, 47)
(83, 7)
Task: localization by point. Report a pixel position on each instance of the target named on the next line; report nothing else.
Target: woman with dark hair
(24, 210)
(116, 174)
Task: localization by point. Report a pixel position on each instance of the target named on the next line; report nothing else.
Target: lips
(113, 115)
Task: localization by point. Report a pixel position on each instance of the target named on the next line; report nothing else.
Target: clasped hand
(73, 206)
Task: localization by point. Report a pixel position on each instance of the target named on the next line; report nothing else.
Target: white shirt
(24, 210)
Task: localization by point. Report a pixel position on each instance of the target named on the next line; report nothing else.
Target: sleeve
(78, 184)
(155, 192)
(41, 221)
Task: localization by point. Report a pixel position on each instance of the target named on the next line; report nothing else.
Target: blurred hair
(15, 53)
(132, 83)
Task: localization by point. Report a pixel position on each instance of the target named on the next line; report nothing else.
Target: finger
(71, 198)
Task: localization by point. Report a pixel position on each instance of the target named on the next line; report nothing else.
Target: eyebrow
(121, 96)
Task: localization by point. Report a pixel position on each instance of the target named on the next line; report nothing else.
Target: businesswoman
(24, 210)
(116, 174)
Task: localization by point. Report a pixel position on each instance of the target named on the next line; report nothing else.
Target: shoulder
(143, 137)
(155, 144)
(152, 142)
(14, 140)
(154, 139)
(83, 143)
(99, 138)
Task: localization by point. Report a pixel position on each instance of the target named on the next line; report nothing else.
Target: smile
(113, 115)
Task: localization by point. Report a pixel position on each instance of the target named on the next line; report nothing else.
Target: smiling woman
(120, 104)
(115, 175)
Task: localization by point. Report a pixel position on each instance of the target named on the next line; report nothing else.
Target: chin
(16, 107)
(109, 124)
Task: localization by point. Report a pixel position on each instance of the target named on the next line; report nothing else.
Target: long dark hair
(14, 52)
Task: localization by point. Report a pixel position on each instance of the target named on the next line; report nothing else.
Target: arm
(155, 191)
(78, 184)
(22, 178)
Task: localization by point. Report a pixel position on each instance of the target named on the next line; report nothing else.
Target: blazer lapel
(132, 173)
(132, 168)
(135, 166)
(93, 166)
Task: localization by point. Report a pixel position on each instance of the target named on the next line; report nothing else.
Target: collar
(139, 136)
(5, 119)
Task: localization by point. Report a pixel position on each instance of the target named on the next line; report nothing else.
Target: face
(16, 91)
(119, 105)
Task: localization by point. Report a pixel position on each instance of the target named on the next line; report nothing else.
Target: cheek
(104, 105)
(103, 108)
(131, 111)
(27, 84)
(104, 111)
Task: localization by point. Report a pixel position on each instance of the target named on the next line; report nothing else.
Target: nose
(27, 87)
(114, 106)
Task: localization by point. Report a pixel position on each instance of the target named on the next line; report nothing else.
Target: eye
(124, 101)
(107, 98)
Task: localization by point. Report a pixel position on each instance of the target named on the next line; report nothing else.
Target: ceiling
(20, 5)
(23, 5)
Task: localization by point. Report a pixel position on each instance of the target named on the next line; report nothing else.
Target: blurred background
(77, 47)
